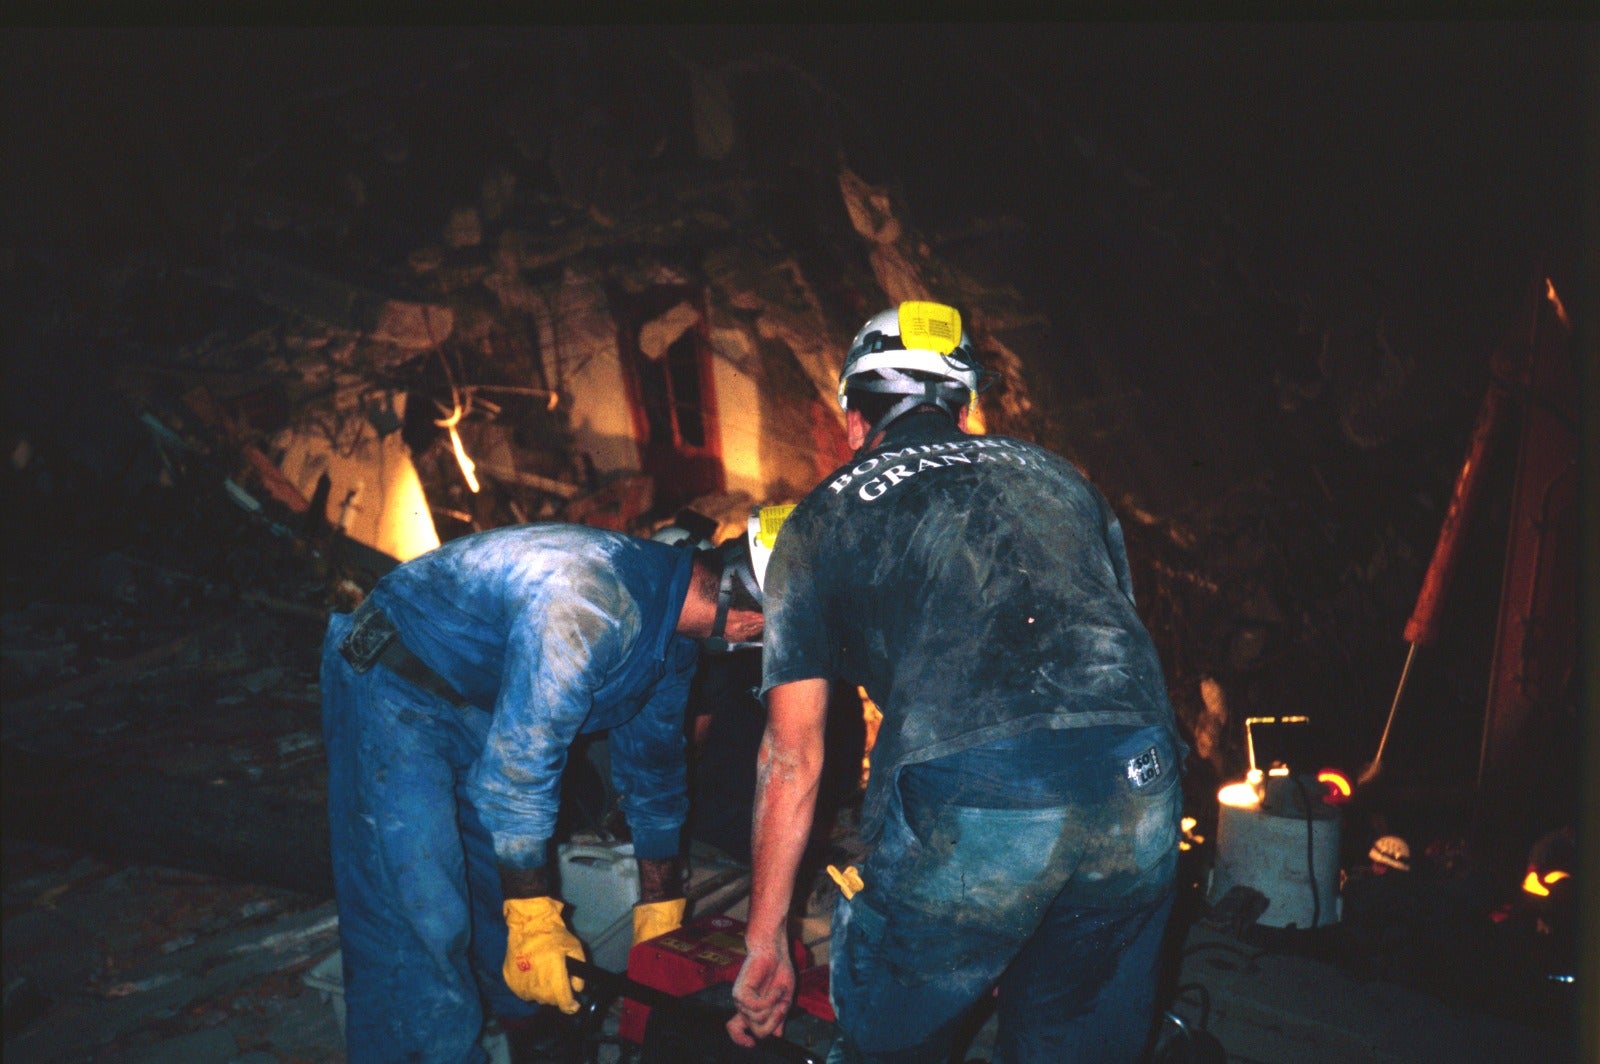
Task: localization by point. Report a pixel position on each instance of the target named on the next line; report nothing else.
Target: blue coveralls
(549, 631)
(1023, 802)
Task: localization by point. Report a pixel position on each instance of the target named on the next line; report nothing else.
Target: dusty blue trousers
(418, 892)
(1060, 901)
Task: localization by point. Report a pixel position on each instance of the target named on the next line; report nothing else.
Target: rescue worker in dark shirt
(1024, 797)
(450, 700)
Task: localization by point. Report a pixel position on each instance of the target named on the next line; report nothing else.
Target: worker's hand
(762, 992)
(537, 951)
(657, 918)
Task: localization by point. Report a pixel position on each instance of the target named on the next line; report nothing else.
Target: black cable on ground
(1311, 862)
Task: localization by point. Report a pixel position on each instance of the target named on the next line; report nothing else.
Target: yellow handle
(849, 880)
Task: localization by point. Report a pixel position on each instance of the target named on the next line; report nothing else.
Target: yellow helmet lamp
(918, 351)
(745, 560)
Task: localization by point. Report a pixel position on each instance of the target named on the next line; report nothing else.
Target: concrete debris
(413, 326)
(464, 229)
(661, 333)
(715, 133)
(184, 967)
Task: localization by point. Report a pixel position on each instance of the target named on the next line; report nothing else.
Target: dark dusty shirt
(976, 586)
(558, 630)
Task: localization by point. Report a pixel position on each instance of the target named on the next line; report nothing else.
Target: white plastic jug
(601, 884)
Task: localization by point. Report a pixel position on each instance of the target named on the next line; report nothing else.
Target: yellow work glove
(657, 918)
(849, 880)
(537, 951)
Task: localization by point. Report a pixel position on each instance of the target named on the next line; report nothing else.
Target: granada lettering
(929, 456)
(878, 485)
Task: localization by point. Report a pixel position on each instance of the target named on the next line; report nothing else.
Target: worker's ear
(855, 429)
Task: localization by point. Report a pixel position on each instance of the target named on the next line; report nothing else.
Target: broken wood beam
(549, 485)
(280, 487)
(318, 293)
(204, 406)
(285, 607)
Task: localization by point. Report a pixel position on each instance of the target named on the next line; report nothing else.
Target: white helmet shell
(1392, 851)
(915, 336)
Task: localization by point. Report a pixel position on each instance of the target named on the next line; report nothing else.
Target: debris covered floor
(140, 958)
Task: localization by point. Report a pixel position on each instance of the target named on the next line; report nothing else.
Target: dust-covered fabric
(557, 630)
(1051, 881)
(976, 586)
(549, 631)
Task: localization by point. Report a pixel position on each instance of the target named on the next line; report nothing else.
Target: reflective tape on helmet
(931, 326)
(762, 534)
(772, 519)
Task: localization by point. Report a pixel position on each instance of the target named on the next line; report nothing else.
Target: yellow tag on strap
(930, 327)
(772, 519)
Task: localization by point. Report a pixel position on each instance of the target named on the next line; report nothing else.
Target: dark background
(1192, 209)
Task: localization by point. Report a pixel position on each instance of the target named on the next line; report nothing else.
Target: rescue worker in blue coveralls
(1024, 798)
(450, 699)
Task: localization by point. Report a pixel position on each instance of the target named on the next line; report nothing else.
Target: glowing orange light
(1335, 782)
(1240, 795)
(1555, 877)
(468, 466)
(1532, 885)
(874, 718)
(1555, 301)
(976, 425)
(1188, 839)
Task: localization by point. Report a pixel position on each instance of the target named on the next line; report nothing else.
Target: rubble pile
(386, 282)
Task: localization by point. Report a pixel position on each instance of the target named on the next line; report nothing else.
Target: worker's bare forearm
(788, 768)
(786, 795)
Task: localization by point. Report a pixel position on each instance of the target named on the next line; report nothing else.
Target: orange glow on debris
(468, 467)
(976, 424)
(1540, 888)
(1241, 795)
(1555, 301)
(874, 717)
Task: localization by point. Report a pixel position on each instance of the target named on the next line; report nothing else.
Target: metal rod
(1405, 671)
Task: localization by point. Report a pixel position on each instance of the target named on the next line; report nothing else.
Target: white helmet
(1393, 851)
(745, 560)
(689, 528)
(919, 337)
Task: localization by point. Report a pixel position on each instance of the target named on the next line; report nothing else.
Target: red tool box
(811, 993)
(699, 954)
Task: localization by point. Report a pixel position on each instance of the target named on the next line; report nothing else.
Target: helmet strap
(717, 642)
(927, 393)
